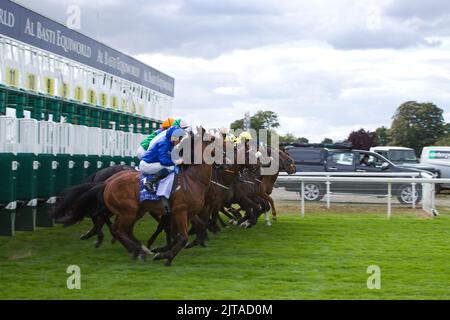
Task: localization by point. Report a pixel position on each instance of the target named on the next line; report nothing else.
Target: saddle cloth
(163, 188)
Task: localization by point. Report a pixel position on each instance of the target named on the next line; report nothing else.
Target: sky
(325, 67)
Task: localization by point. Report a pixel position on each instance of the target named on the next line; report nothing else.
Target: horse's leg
(222, 223)
(109, 224)
(181, 227)
(114, 238)
(235, 212)
(232, 218)
(164, 224)
(89, 234)
(272, 205)
(121, 229)
(199, 227)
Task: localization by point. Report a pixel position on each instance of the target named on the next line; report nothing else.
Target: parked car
(344, 159)
(406, 158)
(438, 157)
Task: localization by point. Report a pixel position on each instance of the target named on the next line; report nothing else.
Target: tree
(362, 139)
(288, 138)
(302, 140)
(327, 141)
(382, 136)
(443, 142)
(260, 120)
(416, 125)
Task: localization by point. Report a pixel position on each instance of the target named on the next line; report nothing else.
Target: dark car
(406, 158)
(345, 159)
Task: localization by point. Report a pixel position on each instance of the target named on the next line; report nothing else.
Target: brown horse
(286, 164)
(121, 197)
(252, 190)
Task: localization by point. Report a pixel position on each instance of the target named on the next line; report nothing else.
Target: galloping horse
(119, 195)
(69, 197)
(252, 191)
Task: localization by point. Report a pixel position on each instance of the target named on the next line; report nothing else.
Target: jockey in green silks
(159, 134)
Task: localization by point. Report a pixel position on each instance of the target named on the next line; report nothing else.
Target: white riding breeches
(140, 152)
(152, 168)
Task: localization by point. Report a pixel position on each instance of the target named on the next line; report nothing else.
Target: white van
(438, 157)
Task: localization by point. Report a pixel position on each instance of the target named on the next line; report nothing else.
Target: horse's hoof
(84, 237)
(97, 244)
(168, 263)
(146, 250)
(158, 256)
(203, 244)
(245, 224)
(157, 250)
(142, 257)
(191, 245)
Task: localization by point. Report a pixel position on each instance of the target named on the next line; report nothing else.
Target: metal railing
(427, 180)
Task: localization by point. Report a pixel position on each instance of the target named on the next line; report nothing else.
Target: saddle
(164, 187)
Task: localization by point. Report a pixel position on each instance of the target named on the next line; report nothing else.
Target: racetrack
(322, 256)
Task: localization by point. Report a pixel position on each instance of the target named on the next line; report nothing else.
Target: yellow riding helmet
(230, 137)
(245, 136)
(168, 123)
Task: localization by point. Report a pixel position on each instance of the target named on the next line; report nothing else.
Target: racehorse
(252, 190)
(69, 197)
(119, 195)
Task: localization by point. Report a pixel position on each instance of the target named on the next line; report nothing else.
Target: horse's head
(286, 162)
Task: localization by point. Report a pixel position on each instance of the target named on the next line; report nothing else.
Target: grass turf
(321, 256)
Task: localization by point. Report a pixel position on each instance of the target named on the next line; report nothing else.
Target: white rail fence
(427, 180)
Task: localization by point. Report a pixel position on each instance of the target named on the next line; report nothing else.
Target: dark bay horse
(252, 191)
(69, 197)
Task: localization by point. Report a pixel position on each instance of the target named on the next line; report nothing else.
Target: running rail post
(433, 199)
(413, 191)
(389, 209)
(328, 193)
(302, 195)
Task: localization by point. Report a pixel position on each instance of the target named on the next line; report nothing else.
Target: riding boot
(150, 185)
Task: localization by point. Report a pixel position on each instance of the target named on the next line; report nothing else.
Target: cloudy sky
(326, 67)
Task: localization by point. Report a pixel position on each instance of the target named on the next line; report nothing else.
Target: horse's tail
(87, 204)
(68, 198)
(91, 177)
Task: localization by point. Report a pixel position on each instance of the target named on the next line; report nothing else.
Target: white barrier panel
(28, 136)
(128, 144)
(118, 144)
(95, 141)
(107, 142)
(47, 140)
(64, 138)
(80, 139)
(8, 135)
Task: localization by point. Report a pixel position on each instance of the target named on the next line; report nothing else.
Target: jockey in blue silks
(158, 161)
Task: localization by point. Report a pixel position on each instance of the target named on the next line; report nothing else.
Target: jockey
(143, 147)
(159, 134)
(157, 160)
(244, 137)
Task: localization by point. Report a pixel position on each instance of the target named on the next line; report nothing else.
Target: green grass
(322, 256)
